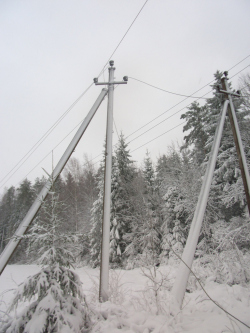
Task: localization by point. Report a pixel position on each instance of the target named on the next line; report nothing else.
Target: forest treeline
(152, 205)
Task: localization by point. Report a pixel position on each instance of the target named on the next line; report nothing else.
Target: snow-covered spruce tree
(227, 176)
(95, 235)
(227, 186)
(55, 297)
(143, 242)
(149, 174)
(25, 195)
(115, 250)
(180, 189)
(197, 136)
(7, 216)
(121, 205)
(245, 91)
(135, 239)
(152, 228)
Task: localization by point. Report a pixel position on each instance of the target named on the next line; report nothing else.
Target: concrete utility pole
(237, 138)
(183, 272)
(192, 240)
(104, 269)
(24, 225)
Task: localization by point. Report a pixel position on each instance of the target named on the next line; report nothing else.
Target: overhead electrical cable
(166, 119)
(158, 136)
(169, 92)
(30, 152)
(45, 155)
(239, 71)
(123, 37)
(187, 98)
(116, 128)
(238, 63)
(176, 113)
(167, 111)
(41, 140)
(149, 121)
(146, 142)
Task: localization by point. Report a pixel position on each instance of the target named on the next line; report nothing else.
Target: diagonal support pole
(183, 272)
(24, 225)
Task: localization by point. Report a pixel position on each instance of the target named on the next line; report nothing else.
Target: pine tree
(56, 300)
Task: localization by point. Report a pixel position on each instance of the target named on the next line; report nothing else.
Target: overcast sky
(52, 49)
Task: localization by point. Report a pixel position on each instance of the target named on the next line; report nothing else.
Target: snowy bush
(117, 289)
(224, 267)
(155, 297)
(229, 258)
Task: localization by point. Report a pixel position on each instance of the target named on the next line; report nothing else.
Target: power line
(175, 114)
(146, 142)
(45, 155)
(169, 92)
(41, 140)
(163, 120)
(158, 136)
(30, 152)
(116, 128)
(167, 111)
(123, 37)
(240, 71)
(197, 98)
(147, 123)
(188, 97)
(239, 62)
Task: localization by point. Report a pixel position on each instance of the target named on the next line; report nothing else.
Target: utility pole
(192, 240)
(183, 272)
(104, 268)
(237, 138)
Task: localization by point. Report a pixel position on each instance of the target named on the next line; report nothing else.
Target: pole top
(111, 63)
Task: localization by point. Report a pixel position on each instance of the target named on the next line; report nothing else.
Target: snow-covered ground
(137, 306)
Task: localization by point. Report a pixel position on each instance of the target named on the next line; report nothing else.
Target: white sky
(52, 50)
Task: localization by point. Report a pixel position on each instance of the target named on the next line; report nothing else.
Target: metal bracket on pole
(24, 225)
(104, 267)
